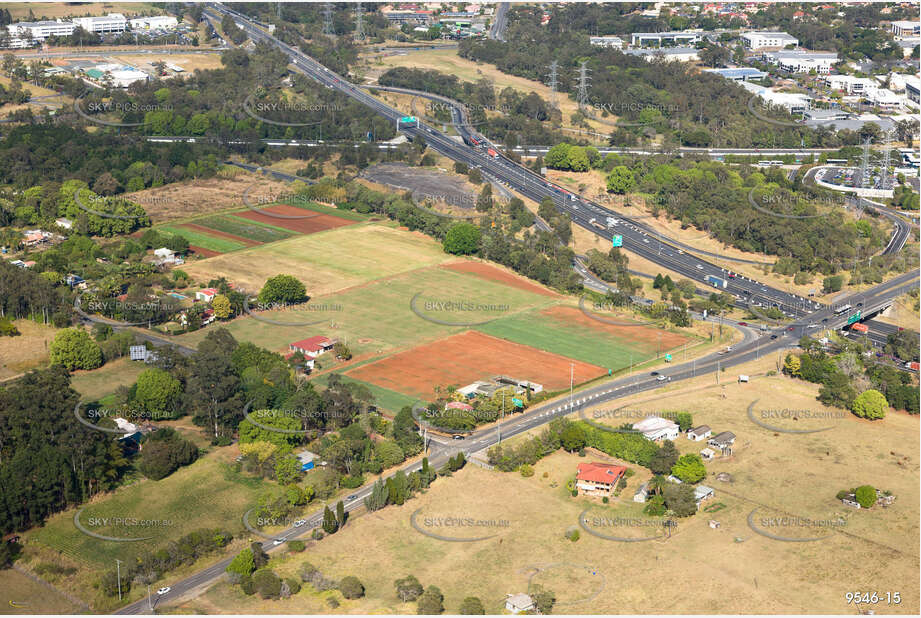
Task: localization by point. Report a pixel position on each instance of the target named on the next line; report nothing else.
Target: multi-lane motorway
(752, 347)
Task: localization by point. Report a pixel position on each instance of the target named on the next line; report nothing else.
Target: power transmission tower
(865, 165)
(328, 19)
(554, 83)
(582, 93)
(359, 22)
(885, 181)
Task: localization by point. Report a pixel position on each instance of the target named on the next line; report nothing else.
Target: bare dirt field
(26, 351)
(494, 273)
(184, 200)
(425, 184)
(467, 357)
(310, 224)
(189, 62)
(204, 252)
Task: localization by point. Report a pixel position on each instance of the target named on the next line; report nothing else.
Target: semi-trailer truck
(860, 328)
(716, 281)
(492, 153)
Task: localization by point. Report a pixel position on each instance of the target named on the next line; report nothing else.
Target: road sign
(668, 358)
(617, 241)
(408, 119)
(854, 318)
(518, 402)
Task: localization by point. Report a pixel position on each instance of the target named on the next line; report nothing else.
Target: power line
(328, 19)
(359, 22)
(584, 79)
(554, 83)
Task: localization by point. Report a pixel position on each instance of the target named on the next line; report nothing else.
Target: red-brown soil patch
(202, 251)
(311, 223)
(491, 273)
(469, 356)
(212, 232)
(643, 336)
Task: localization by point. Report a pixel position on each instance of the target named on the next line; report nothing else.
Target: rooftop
(600, 472)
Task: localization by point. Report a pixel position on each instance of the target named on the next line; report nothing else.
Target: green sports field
(254, 230)
(205, 241)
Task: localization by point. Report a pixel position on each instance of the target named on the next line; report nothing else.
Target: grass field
(560, 332)
(98, 383)
(53, 10)
(222, 245)
(254, 230)
(699, 570)
(28, 350)
(22, 595)
(327, 261)
(173, 506)
(377, 318)
(383, 397)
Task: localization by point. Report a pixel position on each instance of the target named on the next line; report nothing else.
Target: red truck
(913, 365)
(860, 328)
(492, 153)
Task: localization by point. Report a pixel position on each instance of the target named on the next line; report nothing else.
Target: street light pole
(118, 569)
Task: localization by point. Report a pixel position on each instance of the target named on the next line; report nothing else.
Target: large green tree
(870, 404)
(159, 392)
(462, 239)
(73, 348)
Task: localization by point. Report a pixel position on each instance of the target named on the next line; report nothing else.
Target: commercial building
(792, 102)
(153, 23)
(670, 54)
(800, 61)
(767, 40)
(684, 37)
(849, 83)
(112, 23)
(883, 98)
(905, 28)
(913, 89)
(40, 30)
(607, 41)
(657, 428)
(742, 74)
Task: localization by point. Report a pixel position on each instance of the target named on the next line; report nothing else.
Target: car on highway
(163, 590)
(700, 267)
(654, 373)
(662, 378)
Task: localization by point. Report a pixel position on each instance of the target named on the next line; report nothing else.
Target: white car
(278, 541)
(700, 267)
(662, 378)
(164, 590)
(299, 523)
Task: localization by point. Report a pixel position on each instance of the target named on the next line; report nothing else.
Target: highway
(497, 31)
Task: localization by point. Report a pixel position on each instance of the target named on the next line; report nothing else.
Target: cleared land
(251, 230)
(327, 261)
(491, 272)
(195, 227)
(93, 385)
(66, 9)
(26, 351)
(202, 239)
(464, 358)
(189, 62)
(23, 595)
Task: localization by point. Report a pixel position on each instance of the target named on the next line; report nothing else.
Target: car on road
(773, 336)
(459, 437)
(654, 373)
(743, 323)
(351, 497)
(662, 378)
(163, 590)
(789, 329)
(700, 267)
(299, 523)
(279, 541)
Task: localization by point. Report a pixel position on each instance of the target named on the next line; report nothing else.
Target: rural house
(206, 295)
(722, 440)
(701, 493)
(642, 493)
(699, 433)
(312, 346)
(598, 479)
(519, 603)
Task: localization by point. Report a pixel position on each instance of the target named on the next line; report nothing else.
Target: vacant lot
(23, 595)
(95, 384)
(53, 10)
(464, 358)
(326, 261)
(251, 230)
(491, 272)
(28, 350)
(183, 200)
(189, 62)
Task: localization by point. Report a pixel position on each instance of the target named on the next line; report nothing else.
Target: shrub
(351, 587)
(526, 470)
(294, 586)
(870, 404)
(605, 500)
(267, 584)
(296, 546)
(472, 606)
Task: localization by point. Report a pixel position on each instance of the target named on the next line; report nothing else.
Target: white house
(793, 102)
(642, 493)
(657, 428)
(111, 23)
(684, 37)
(166, 256)
(519, 603)
(206, 295)
(722, 440)
(699, 433)
(701, 493)
(707, 454)
(767, 40)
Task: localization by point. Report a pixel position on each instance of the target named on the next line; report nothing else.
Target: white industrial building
(670, 54)
(111, 23)
(768, 40)
(883, 98)
(40, 30)
(800, 61)
(684, 37)
(905, 28)
(849, 83)
(153, 23)
(607, 41)
(792, 102)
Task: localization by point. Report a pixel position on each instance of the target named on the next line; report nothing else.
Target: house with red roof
(598, 479)
(206, 295)
(312, 346)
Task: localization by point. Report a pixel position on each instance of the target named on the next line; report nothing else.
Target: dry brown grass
(27, 351)
(52, 10)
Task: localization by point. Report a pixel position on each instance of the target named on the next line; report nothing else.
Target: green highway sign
(617, 241)
(408, 119)
(668, 358)
(518, 402)
(854, 318)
